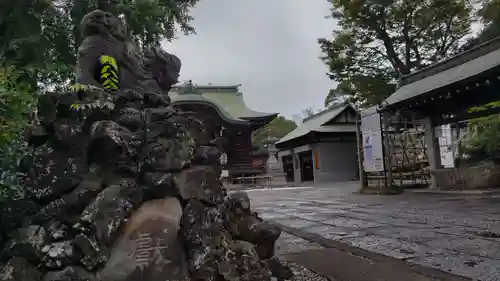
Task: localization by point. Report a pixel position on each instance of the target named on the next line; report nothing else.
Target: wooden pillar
(359, 144)
(387, 150)
(433, 149)
(456, 143)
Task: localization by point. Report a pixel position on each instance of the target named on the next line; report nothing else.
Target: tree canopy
(38, 43)
(378, 41)
(277, 128)
(305, 113)
(44, 35)
(490, 18)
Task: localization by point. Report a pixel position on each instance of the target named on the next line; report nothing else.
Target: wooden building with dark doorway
(322, 148)
(223, 107)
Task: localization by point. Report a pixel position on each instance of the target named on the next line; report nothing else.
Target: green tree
(38, 44)
(45, 34)
(489, 15)
(380, 40)
(277, 128)
(16, 105)
(306, 113)
(483, 143)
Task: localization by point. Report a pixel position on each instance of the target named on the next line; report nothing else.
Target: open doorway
(306, 166)
(288, 168)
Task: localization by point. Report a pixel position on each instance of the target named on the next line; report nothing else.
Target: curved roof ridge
(316, 123)
(229, 101)
(206, 86)
(333, 107)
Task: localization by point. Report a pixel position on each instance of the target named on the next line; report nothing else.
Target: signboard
(224, 174)
(223, 159)
(371, 131)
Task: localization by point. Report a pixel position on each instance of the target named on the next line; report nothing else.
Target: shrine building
(460, 88)
(223, 108)
(322, 148)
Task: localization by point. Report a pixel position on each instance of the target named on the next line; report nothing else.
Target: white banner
(373, 151)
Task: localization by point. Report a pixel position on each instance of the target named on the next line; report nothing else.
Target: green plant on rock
(95, 97)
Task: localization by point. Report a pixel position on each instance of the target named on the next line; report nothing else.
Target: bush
(484, 145)
(17, 102)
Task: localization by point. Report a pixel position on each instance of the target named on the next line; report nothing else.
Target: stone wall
(478, 177)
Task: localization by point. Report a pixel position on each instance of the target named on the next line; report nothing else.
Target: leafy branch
(381, 40)
(17, 103)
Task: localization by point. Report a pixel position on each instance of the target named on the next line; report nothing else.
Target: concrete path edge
(328, 243)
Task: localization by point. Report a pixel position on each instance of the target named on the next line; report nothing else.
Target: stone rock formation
(121, 186)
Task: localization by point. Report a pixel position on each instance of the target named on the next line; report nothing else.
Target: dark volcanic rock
(248, 226)
(242, 264)
(68, 135)
(27, 243)
(110, 209)
(238, 203)
(278, 269)
(123, 186)
(71, 203)
(57, 231)
(14, 213)
(18, 269)
(130, 118)
(168, 154)
(206, 155)
(205, 239)
(70, 273)
(92, 255)
(36, 135)
(159, 185)
(58, 254)
(110, 142)
(201, 183)
(50, 173)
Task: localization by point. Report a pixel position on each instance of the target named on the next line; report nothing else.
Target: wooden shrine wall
(239, 145)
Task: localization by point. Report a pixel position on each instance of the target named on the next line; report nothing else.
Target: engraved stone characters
(149, 249)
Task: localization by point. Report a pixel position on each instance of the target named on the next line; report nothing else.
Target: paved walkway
(433, 230)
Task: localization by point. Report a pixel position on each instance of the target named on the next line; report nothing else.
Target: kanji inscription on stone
(148, 248)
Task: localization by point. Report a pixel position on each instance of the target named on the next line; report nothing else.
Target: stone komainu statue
(164, 66)
(130, 193)
(109, 58)
(103, 43)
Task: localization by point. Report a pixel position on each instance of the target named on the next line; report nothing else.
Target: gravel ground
(303, 274)
(288, 243)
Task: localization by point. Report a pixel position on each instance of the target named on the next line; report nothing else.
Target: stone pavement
(453, 233)
(289, 244)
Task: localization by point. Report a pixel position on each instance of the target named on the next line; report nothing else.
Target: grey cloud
(268, 46)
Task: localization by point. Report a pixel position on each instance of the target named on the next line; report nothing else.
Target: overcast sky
(268, 46)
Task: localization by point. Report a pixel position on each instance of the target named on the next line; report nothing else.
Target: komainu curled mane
(107, 57)
(163, 66)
